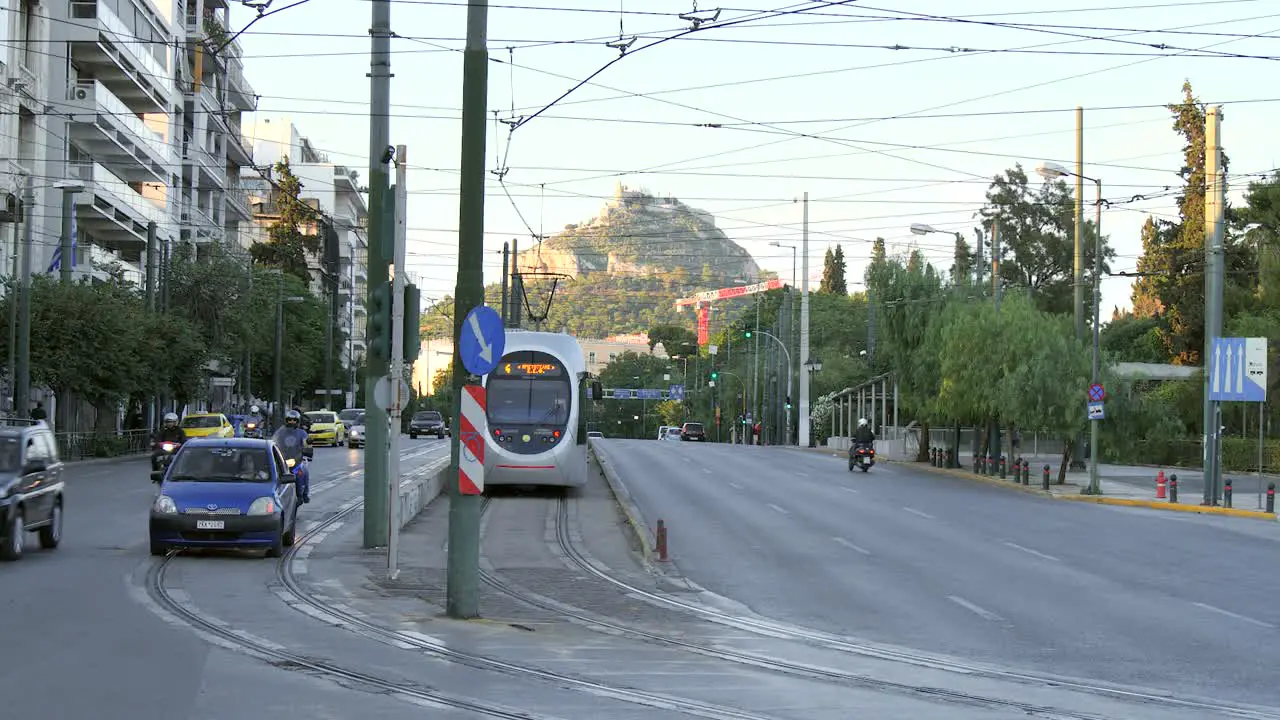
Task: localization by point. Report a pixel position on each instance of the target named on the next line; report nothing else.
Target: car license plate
(210, 524)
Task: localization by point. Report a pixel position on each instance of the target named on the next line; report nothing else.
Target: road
(82, 646)
(936, 563)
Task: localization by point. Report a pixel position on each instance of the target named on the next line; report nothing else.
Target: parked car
(31, 487)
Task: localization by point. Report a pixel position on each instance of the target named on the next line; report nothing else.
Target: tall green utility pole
(380, 247)
(463, 594)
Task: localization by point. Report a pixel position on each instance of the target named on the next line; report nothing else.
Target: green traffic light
(746, 334)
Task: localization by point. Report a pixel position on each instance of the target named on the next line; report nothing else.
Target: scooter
(862, 457)
(162, 461)
(252, 429)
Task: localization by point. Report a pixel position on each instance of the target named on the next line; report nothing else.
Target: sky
(887, 114)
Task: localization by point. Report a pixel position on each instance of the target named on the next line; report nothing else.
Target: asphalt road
(928, 561)
(81, 645)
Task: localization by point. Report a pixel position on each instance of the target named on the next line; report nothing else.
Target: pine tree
(828, 271)
(288, 240)
(838, 284)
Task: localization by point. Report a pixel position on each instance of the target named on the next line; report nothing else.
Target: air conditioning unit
(81, 94)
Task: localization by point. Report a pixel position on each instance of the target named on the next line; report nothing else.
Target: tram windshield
(529, 388)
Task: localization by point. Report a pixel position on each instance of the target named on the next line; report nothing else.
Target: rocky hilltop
(627, 266)
(637, 233)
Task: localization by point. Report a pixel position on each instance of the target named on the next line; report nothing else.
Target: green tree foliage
(1036, 235)
(677, 340)
(291, 236)
(634, 371)
(833, 273)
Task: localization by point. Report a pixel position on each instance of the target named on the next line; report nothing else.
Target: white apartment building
(335, 191)
(141, 134)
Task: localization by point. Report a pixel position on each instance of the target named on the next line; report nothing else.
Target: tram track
(776, 630)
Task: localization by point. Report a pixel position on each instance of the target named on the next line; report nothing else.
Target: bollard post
(1026, 472)
(1271, 497)
(991, 465)
(1226, 494)
(662, 541)
(948, 460)
(1173, 489)
(1004, 468)
(1045, 479)
(933, 456)
(1161, 486)
(979, 464)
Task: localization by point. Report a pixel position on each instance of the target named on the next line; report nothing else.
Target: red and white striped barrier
(473, 427)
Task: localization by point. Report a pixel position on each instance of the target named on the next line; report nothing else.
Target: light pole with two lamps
(1053, 171)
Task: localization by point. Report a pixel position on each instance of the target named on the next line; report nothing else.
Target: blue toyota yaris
(225, 493)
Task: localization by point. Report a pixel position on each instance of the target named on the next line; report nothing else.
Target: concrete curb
(1096, 499)
(1171, 507)
(966, 475)
(634, 518)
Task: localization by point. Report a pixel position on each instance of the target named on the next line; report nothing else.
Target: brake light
(556, 433)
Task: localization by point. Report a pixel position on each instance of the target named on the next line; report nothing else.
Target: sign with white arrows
(483, 340)
(1238, 370)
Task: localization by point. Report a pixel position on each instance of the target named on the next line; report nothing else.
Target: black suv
(691, 432)
(31, 486)
(427, 422)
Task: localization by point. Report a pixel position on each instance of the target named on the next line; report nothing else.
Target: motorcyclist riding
(292, 439)
(169, 432)
(863, 435)
(303, 420)
(254, 423)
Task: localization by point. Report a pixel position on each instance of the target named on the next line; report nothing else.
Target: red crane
(702, 303)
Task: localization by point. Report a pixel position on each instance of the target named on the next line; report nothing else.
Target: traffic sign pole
(396, 367)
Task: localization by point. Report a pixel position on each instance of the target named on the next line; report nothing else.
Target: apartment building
(101, 104)
(336, 192)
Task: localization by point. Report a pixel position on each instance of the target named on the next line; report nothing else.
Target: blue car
(225, 493)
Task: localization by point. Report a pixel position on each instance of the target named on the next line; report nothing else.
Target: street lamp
(775, 243)
(789, 374)
(1052, 171)
(812, 365)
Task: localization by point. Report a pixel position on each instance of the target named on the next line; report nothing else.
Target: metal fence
(85, 445)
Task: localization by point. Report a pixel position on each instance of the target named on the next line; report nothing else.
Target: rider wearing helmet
(255, 419)
(303, 420)
(863, 435)
(292, 439)
(171, 432)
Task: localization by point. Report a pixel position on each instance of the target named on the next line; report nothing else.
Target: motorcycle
(862, 457)
(164, 455)
(252, 429)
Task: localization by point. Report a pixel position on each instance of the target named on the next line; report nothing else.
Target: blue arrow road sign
(677, 392)
(483, 340)
(1238, 370)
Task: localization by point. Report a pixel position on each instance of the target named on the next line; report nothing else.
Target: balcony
(200, 224)
(110, 209)
(240, 93)
(239, 152)
(100, 41)
(30, 89)
(104, 126)
(211, 167)
(238, 202)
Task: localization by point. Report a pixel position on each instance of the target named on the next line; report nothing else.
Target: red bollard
(662, 541)
(1161, 485)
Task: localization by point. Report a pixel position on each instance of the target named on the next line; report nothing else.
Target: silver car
(355, 433)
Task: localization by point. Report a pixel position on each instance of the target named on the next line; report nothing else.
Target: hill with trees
(623, 270)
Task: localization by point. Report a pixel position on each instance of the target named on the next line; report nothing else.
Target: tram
(536, 413)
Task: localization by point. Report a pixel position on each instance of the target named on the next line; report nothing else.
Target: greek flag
(56, 264)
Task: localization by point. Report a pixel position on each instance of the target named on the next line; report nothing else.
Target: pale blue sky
(866, 183)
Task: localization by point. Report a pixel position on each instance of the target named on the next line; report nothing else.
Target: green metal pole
(376, 470)
(463, 594)
(1095, 485)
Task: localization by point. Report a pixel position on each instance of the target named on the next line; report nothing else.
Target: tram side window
(528, 402)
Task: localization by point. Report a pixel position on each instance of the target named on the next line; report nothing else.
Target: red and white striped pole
(473, 427)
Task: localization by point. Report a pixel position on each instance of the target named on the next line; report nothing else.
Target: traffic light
(788, 402)
(412, 330)
(746, 334)
(378, 326)
(715, 375)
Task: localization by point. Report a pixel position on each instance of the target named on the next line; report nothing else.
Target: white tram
(537, 425)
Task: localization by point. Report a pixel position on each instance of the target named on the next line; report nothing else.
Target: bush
(1238, 454)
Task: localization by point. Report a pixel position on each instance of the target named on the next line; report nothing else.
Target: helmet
(293, 417)
(254, 410)
(170, 418)
(862, 422)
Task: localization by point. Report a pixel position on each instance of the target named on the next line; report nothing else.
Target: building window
(591, 358)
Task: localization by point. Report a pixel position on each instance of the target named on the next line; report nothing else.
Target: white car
(673, 433)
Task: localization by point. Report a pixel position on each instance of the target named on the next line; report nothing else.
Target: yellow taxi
(326, 428)
(215, 425)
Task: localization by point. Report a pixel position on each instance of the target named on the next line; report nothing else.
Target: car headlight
(290, 462)
(263, 506)
(165, 505)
